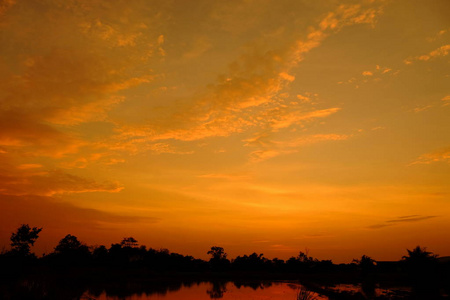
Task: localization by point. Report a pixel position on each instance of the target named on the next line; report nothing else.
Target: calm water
(76, 288)
(207, 291)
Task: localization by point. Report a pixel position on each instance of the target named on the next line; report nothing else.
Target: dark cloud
(401, 219)
(378, 226)
(412, 218)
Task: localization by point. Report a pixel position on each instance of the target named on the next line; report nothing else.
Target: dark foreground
(77, 271)
(117, 283)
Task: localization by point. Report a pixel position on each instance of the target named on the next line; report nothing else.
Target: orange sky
(256, 125)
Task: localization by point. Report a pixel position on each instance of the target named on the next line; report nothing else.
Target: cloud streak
(275, 148)
(402, 219)
(33, 180)
(52, 214)
(439, 52)
(442, 155)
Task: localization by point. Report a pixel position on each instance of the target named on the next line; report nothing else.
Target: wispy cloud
(375, 74)
(83, 91)
(227, 176)
(33, 180)
(52, 213)
(442, 155)
(433, 104)
(410, 218)
(439, 52)
(446, 100)
(27, 135)
(275, 148)
(422, 108)
(401, 219)
(438, 35)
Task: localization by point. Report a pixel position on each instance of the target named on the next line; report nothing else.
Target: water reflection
(217, 290)
(198, 291)
(152, 289)
(370, 290)
(140, 289)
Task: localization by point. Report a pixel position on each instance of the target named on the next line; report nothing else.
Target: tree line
(128, 254)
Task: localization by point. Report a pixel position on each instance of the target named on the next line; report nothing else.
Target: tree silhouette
(129, 242)
(217, 253)
(304, 258)
(218, 261)
(419, 256)
(68, 244)
(24, 238)
(422, 270)
(70, 251)
(366, 263)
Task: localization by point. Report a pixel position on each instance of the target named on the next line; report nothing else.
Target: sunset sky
(256, 125)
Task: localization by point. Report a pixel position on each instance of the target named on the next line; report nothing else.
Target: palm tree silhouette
(419, 256)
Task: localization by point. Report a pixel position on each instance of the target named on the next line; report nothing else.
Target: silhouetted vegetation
(305, 294)
(23, 239)
(422, 270)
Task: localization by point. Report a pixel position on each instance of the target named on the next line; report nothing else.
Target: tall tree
(24, 238)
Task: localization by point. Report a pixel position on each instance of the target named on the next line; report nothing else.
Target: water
(208, 291)
(61, 287)
(371, 291)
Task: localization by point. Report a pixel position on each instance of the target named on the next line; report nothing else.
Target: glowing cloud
(433, 157)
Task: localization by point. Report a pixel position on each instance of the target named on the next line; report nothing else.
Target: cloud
(81, 91)
(251, 94)
(73, 67)
(439, 52)
(78, 62)
(294, 118)
(376, 74)
(377, 226)
(422, 108)
(224, 176)
(438, 35)
(401, 219)
(51, 213)
(303, 98)
(442, 155)
(446, 100)
(312, 139)
(275, 148)
(198, 47)
(33, 180)
(5, 5)
(27, 135)
(411, 218)
(29, 166)
(261, 155)
(118, 25)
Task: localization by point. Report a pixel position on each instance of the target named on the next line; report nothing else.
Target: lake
(62, 287)
(209, 290)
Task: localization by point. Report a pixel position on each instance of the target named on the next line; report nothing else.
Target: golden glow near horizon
(259, 126)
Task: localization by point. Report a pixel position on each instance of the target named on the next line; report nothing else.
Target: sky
(255, 125)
